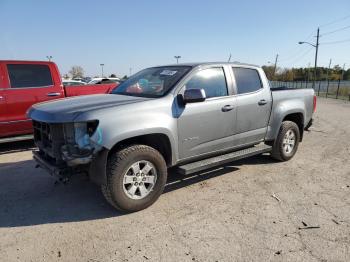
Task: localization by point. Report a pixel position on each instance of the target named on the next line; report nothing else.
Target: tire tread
(114, 161)
(276, 149)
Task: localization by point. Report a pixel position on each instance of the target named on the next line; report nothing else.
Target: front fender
(122, 128)
(133, 120)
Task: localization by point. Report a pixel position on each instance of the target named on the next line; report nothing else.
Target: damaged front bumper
(96, 168)
(52, 168)
(75, 156)
(70, 148)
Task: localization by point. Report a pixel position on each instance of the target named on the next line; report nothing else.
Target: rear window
(247, 80)
(25, 75)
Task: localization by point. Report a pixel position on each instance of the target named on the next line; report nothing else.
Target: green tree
(269, 71)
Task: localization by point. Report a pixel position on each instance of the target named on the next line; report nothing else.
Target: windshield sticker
(168, 72)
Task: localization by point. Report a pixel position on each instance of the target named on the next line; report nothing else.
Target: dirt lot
(227, 214)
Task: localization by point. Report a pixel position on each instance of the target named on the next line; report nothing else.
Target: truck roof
(211, 63)
(25, 61)
(181, 64)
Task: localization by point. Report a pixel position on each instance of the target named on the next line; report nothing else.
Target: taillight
(315, 101)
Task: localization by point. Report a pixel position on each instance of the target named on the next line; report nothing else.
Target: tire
(279, 148)
(122, 168)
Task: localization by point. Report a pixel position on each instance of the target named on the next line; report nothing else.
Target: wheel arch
(158, 141)
(297, 118)
(280, 114)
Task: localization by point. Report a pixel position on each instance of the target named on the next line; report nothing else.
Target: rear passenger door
(253, 106)
(28, 84)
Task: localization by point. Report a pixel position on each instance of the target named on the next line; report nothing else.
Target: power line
(336, 42)
(300, 56)
(337, 30)
(335, 21)
(292, 53)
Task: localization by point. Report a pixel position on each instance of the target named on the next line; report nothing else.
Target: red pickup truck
(24, 83)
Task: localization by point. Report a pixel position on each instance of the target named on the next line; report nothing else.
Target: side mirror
(194, 96)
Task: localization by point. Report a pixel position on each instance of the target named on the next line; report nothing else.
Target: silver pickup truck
(190, 116)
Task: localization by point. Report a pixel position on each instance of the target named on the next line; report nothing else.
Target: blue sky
(137, 34)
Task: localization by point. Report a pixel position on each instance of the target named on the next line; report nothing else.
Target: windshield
(152, 82)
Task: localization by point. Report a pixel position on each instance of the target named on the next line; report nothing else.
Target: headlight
(91, 127)
(83, 131)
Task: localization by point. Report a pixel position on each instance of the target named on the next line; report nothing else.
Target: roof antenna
(229, 58)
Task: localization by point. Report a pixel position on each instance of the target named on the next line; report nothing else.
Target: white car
(105, 80)
(73, 83)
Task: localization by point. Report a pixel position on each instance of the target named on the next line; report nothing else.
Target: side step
(16, 139)
(222, 159)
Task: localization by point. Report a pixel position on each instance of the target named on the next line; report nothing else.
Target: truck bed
(89, 89)
(287, 101)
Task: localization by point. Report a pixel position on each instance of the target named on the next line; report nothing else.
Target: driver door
(208, 126)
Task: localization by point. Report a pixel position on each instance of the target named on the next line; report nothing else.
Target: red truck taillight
(315, 101)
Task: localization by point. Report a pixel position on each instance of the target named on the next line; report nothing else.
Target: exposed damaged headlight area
(83, 140)
(70, 143)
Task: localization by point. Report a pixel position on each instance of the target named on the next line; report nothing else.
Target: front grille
(49, 138)
(42, 134)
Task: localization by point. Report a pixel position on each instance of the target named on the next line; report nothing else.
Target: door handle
(227, 108)
(262, 102)
(53, 94)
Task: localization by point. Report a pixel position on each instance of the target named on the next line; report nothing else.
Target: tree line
(306, 73)
(78, 72)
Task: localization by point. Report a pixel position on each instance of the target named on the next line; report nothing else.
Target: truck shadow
(14, 147)
(28, 196)
(176, 180)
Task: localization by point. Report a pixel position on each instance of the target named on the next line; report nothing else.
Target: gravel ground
(228, 214)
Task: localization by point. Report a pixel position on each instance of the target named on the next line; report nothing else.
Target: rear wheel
(287, 142)
(136, 177)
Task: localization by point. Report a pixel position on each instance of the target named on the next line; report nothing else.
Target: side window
(247, 80)
(25, 75)
(212, 80)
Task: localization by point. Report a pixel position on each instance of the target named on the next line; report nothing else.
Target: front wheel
(286, 144)
(136, 177)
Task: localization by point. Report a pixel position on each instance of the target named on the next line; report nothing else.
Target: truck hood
(67, 109)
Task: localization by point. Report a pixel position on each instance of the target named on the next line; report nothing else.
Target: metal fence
(328, 89)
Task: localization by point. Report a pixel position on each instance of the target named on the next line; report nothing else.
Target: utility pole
(340, 78)
(102, 69)
(130, 70)
(308, 72)
(275, 67)
(229, 58)
(329, 68)
(49, 57)
(316, 54)
(177, 57)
